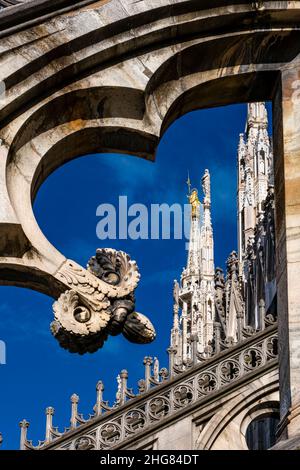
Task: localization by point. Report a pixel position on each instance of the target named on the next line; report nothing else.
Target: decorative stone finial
(49, 411)
(99, 400)
(74, 398)
(49, 415)
(24, 425)
(232, 264)
(74, 410)
(206, 186)
(219, 278)
(148, 360)
(124, 374)
(100, 386)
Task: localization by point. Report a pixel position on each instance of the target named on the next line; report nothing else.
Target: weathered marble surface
(288, 254)
(288, 444)
(67, 73)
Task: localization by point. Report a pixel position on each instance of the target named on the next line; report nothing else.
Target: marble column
(287, 198)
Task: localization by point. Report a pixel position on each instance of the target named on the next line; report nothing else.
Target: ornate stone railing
(142, 413)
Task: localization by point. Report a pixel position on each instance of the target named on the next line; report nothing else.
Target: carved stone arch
(81, 122)
(134, 128)
(42, 156)
(214, 71)
(79, 105)
(122, 33)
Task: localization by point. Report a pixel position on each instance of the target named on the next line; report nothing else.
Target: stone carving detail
(100, 302)
(116, 270)
(159, 407)
(183, 395)
(259, 269)
(206, 185)
(110, 434)
(120, 310)
(230, 370)
(253, 358)
(207, 382)
(138, 328)
(272, 347)
(77, 327)
(134, 420)
(84, 443)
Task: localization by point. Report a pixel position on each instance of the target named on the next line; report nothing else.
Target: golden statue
(194, 201)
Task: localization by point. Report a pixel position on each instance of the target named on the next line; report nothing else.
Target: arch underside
(113, 78)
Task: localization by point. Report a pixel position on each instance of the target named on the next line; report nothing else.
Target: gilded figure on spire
(194, 201)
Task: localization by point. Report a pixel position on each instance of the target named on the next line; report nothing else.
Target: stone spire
(257, 116)
(211, 313)
(207, 285)
(207, 241)
(256, 245)
(192, 331)
(176, 337)
(255, 173)
(193, 264)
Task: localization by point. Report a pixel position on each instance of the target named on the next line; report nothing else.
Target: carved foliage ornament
(159, 407)
(135, 420)
(207, 382)
(99, 302)
(85, 443)
(183, 395)
(110, 433)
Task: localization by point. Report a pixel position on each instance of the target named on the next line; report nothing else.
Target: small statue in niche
(206, 184)
(176, 292)
(261, 165)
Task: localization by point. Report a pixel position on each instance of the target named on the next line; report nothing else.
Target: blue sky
(38, 372)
